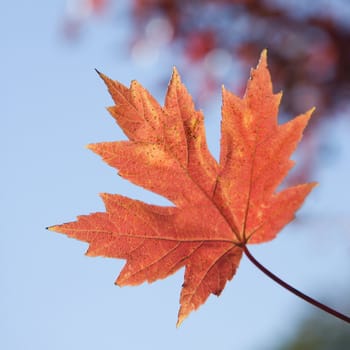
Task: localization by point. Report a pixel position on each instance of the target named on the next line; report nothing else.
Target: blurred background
(53, 104)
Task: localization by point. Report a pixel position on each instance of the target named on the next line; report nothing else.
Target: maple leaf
(218, 207)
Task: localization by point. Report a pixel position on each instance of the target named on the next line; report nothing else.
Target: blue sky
(54, 297)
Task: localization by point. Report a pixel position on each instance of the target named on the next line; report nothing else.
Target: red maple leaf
(218, 209)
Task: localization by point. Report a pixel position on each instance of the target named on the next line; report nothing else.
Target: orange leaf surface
(218, 207)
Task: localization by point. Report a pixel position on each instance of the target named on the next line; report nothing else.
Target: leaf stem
(292, 289)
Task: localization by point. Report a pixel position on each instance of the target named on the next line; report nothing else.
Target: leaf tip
(314, 184)
(263, 58)
(311, 110)
(175, 76)
(104, 77)
(118, 282)
(179, 322)
(105, 197)
(307, 115)
(91, 146)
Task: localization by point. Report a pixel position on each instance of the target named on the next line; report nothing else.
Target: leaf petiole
(293, 290)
